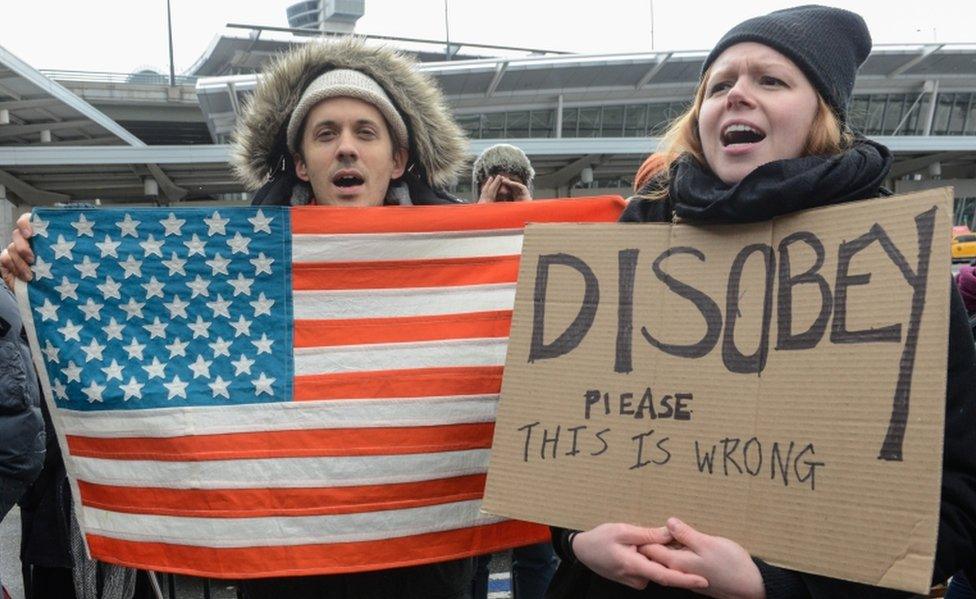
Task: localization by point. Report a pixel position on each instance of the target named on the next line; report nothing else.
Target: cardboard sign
(781, 384)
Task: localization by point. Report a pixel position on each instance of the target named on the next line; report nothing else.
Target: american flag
(247, 392)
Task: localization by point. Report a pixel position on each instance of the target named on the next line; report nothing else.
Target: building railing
(108, 77)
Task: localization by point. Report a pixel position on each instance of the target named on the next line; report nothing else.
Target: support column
(46, 136)
(933, 102)
(559, 116)
(8, 216)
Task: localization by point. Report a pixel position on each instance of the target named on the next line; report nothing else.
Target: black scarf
(779, 187)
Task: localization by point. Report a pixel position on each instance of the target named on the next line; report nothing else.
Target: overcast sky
(127, 35)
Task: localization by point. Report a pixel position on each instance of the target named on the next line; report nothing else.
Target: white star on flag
(262, 305)
(195, 246)
(113, 330)
(152, 247)
(201, 367)
(94, 392)
(108, 247)
(262, 264)
(93, 351)
(62, 249)
(87, 268)
(242, 366)
(83, 226)
(177, 307)
(132, 389)
(238, 244)
(220, 347)
(218, 265)
(70, 331)
(92, 310)
(172, 225)
(219, 387)
(67, 289)
(176, 388)
(72, 372)
(156, 369)
(175, 265)
(263, 384)
(113, 371)
(134, 349)
(110, 289)
(216, 225)
(261, 222)
(177, 348)
(48, 311)
(132, 267)
(38, 226)
(127, 226)
(42, 269)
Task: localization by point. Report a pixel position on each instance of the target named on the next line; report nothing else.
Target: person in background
(766, 135)
(502, 173)
(22, 439)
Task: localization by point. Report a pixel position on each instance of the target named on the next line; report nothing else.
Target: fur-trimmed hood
(437, 144)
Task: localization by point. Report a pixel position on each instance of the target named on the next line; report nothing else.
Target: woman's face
(758, 107)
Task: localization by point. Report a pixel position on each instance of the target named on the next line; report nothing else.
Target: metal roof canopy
(114, 173)
(37, 105)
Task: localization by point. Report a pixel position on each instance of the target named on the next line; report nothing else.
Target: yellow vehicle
(964, 247)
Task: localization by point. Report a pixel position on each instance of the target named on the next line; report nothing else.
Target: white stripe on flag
(405, 246)
(303, 415)
(329, 471)
(390, 303)
(426, 354)
(287, 530)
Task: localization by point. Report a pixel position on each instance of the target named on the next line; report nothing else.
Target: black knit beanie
(827, 44)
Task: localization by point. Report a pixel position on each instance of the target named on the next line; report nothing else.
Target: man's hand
(499, 188)
(611, 550)
(16, 259)
(728, 568)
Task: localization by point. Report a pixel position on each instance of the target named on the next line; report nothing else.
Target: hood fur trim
(437, 144)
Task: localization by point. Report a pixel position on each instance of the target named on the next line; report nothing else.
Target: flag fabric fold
(251, 392)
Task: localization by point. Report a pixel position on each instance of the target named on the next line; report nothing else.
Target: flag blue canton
(148, 308)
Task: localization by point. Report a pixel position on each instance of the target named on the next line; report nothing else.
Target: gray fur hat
(501, 158)
(437, 145)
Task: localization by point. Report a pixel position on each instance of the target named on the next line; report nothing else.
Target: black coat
(956, 546)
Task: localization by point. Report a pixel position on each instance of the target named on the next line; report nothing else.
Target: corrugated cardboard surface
(807, 484)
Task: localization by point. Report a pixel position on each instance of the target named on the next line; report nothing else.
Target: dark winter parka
(760, 196)
(436, 157)
(260, 156)
(21, 425)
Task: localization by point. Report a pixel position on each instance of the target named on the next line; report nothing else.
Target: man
(21, 425)
(344, 124)
(502, 173)
(341, 124)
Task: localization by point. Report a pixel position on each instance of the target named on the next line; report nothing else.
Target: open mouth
(347, 180)
(741, 134)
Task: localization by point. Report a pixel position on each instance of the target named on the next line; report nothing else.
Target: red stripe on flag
(303, 560)
(404, 274)
(419, 382)
(427, 219)
(360, 331)
(288, 444)
(254, 503)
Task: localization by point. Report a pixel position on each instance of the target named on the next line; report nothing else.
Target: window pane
(542, 123)
(471, 123)
(658, 117)
(517, 124)
(894, 112)
(957, 114)
(613, 121)
(589, 122)
(635, 120)
(942, 109)
(570, 120)
(494, 126)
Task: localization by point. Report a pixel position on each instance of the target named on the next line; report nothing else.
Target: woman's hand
(16, 259)
(726, 566)
(610, 550)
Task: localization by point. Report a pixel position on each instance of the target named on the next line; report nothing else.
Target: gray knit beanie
(827, 44)
(345, 83)
(501, 158)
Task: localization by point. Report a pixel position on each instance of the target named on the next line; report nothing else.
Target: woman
(766, 135)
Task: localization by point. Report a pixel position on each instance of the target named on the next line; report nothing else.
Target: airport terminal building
(586, 121)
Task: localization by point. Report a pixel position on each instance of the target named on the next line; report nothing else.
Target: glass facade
(621, 120)
(874, 114)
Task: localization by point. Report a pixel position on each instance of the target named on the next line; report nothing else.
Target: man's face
(347, 154)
